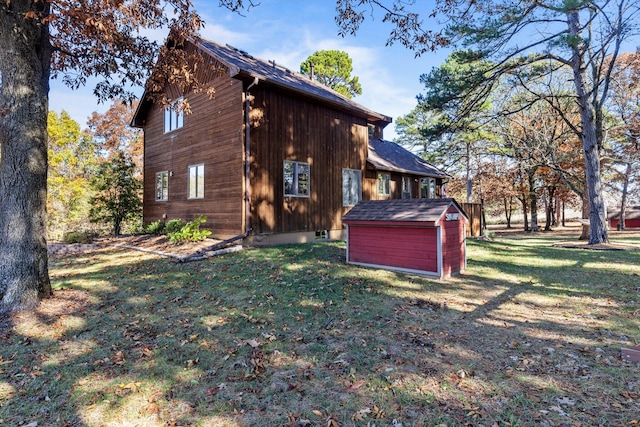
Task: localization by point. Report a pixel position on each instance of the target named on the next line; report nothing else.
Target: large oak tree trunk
(25, 63)
(597, 220)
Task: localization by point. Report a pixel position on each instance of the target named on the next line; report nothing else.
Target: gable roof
(401, 210)
(389, 156)
(246, 67)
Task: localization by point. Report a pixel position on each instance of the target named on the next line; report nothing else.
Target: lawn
(292, 336)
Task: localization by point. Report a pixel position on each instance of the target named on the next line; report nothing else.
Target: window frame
(198, 184)
(385, 179)
(295, 176)
(430, 186)
(172, 119)
(356, 177)
(406, 179)
(162, 178)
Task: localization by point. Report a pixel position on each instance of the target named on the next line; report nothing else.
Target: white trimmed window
(296, 179)
(427, 188)
(384, 184)
(162, 186)
(351, 187)
(173, 119)
(196, 181)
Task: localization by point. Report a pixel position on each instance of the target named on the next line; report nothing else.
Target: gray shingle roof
(409, 210)
(242, 63)
(389, 156)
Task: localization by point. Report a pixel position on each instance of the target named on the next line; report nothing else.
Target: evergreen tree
(118, 197)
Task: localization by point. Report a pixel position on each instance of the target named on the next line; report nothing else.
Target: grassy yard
(291, 336)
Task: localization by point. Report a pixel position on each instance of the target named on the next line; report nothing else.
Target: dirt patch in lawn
(160, 245)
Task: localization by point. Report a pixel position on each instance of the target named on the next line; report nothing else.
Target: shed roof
(632, 212)
(389, 156)
(401, 210)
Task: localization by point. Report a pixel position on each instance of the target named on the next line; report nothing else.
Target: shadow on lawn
(276, 335)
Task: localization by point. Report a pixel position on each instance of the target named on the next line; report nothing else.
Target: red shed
(631, 218)
(423, 236)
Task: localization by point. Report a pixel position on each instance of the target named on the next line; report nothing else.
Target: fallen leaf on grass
(361, 414)
(133, 386)
(356, 385)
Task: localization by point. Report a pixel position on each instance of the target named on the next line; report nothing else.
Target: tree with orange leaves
(113, 135)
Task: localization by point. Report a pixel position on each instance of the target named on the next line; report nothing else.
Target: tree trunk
(525, 211)
(597, 220)
(533, 200)
(623, 202)
(549, 211)
(25, 63)
(507, 210)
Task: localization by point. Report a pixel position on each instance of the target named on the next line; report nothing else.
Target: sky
(288, 31)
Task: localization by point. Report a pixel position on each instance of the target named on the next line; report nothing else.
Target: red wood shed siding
(453, 244)
(628, 223)
(412, 248)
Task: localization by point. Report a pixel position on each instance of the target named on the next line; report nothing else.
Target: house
(631, 218)
(421, 236)
(273, 157)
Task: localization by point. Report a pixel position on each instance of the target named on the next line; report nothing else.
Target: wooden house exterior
(274, 156)
(421, 236)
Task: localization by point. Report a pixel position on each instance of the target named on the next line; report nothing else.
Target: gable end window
(173, 119)
(162, 186)
(351, 187)
(384, 184)
(296, 179)
(196, 182)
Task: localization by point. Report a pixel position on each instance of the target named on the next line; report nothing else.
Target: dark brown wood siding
(212, 135)
(285, 127)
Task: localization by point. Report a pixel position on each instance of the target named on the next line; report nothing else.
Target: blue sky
(288, 31)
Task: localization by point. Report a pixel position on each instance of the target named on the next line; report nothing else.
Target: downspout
(247, 156)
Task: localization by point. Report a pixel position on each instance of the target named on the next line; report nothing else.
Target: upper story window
(173, 119)
(351, 187)
(162, 186)
(296, 179)
(196, 181)
(427, 188)
(384, 184)
(406, 187)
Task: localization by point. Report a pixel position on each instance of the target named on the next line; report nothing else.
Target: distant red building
(422, 236)
(632, 218)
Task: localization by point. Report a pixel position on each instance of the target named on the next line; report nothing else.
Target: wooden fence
(474, 213)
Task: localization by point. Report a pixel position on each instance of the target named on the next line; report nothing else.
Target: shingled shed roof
(401, 210)
(389, 156)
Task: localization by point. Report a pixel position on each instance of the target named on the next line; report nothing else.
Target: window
(196, 181)
(384, 181)
(296, 179)
(406, 187)
(351, 187)
(427, 188)
(162, 186)
(173, 119)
